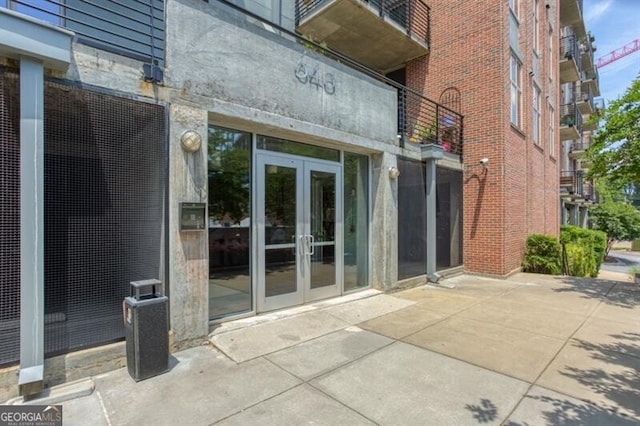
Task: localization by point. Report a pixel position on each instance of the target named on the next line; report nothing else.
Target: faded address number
(322, 81)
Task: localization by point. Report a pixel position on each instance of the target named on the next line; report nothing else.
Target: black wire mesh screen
(9, 219)
(104, 174)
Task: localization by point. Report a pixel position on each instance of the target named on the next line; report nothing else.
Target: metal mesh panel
(104, 175)
(9, 218)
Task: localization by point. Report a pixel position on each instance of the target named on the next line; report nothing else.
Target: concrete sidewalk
(529, 350)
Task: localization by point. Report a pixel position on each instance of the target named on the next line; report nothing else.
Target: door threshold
(292, 311)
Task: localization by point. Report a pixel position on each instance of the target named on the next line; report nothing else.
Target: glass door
(299, 219)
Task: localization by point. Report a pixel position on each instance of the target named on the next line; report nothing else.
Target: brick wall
(518, 194)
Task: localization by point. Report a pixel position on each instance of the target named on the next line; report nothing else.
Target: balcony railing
(133, 28)
(570, 122)
(422, 121)
(572, 182)
(413, 16)
(570, 59)
(584, 99)
(592, 79)
(587, 48)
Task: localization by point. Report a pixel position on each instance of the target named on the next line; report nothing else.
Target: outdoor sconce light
(394, 173)
(190, 141)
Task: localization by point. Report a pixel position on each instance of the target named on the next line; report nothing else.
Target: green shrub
(592, 244)
(579, 261)
(542, 255)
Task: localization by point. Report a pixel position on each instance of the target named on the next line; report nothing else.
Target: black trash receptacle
(146, 323)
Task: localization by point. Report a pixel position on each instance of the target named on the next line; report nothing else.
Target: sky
(614, 23)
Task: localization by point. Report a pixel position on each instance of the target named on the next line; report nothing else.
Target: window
(550, 58)
(552, 138)
(535, 134)
(516, 90)
(536, 26)
(514, 7)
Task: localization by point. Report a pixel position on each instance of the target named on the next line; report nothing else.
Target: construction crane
(613, 56)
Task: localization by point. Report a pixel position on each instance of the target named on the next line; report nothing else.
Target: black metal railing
(573, 180)
(414, 16)
(587, 47)
(584, 94)
(422, 121)
(132, 28)
(415, 111)
(579, 146)
(570, 116)
(591, 75)
(569, 50)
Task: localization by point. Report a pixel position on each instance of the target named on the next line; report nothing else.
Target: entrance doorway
(299, 230)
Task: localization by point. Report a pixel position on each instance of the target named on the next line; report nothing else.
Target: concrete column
(431, 153)
(384, 222)
(188, 250)
(31, 226)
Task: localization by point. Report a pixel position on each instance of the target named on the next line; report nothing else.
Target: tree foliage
(620, 221)
(615, 148)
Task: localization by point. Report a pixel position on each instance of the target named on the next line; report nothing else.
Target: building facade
(579, 93)
(254, 156)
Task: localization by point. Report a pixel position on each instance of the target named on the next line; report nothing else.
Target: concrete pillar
(384, 222)
(31, 226)
(188, 250)
(431, 153)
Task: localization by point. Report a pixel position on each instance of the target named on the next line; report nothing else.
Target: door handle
(312, 248)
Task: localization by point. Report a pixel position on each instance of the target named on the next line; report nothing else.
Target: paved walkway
(530, 350)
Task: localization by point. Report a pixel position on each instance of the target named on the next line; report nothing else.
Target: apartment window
(514, 6)
(536, 26)
(550, 58)
(552, 135)
(536, 115)
(516, 90)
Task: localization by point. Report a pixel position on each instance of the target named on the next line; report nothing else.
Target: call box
(193, 216)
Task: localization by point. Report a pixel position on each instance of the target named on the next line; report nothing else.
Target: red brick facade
(517, 194)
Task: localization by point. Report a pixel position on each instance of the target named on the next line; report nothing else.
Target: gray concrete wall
(211, 54)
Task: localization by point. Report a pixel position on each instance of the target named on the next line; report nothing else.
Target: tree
(615, 148)
(620, 221)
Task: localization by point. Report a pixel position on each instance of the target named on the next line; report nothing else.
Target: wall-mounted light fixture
(191, 141)
(484, 162)
(394, 173)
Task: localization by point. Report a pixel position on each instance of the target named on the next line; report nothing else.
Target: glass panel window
(514, 6)
(516, 91)
(536, 26)
(356, 231)
(552, 136)
(297, 148)
(411, 219)
(229, 179)
(535, 133)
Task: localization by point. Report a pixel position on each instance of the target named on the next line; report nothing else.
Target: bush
(542, 255)
(585, 261)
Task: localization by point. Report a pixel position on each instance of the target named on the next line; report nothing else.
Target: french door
(299, 230)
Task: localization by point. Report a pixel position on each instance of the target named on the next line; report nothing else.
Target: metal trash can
(146, 323)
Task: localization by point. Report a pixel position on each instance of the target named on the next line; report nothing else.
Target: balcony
(381, 34)
(577, 151)
(584, 100)
(571, 15)
(571, 184)
(591, 79)
(421, 121)
(570, 122)
(587, 49)
(131, 29)
(570, 60)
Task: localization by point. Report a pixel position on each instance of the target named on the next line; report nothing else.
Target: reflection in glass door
(299, 221)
